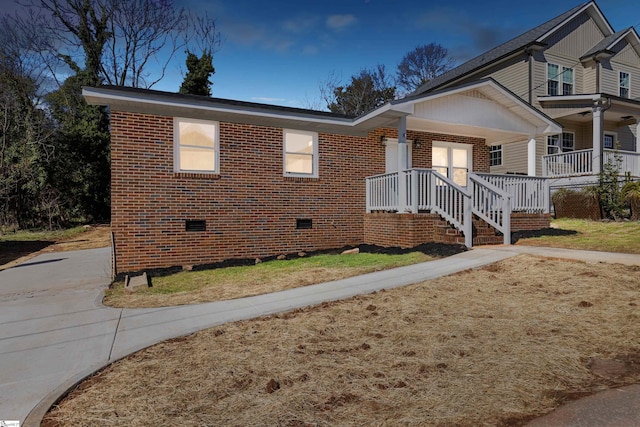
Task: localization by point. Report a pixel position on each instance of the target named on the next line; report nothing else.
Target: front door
(452, 160)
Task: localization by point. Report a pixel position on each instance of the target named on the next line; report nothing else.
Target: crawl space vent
(195, 225)
(303, 223)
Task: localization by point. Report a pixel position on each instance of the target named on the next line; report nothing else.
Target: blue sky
(279, 51)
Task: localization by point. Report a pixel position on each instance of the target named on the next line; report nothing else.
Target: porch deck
(491, 198)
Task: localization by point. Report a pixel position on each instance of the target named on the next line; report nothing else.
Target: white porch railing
(382, 192)
(427, 190)
(492, 204)
(528, 194)
(568, 164)
(629, 161)
(580, 162)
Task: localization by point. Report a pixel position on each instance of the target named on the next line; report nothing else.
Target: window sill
(196, 175)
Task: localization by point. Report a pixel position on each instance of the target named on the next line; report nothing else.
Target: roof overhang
(494, 113)
(200, 107)
(578, 107)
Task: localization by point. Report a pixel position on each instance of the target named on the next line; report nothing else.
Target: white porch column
(403, 159)
(531, 157)
(598, 134)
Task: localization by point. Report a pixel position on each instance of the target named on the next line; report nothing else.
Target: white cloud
(340, 22)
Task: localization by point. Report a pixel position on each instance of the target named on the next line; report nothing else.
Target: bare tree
(422, 65)
(123, 43)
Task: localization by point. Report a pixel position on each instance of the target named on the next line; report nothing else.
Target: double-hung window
(495, 155)
(624, 85)
(561, 143)
(196, 146)
(300, 153)
(560, 80)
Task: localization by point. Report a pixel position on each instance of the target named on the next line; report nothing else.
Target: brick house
(198, 180)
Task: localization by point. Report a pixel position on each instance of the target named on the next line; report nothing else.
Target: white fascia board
(372, 114)
(570, 98)
(603, 21)
(97, 95)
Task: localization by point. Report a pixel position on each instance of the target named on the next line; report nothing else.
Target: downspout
(597, 76)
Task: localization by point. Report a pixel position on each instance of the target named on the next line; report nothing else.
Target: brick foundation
(400, 230)
(529, 221)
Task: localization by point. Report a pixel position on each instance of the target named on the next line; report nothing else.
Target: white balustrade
(629, 161)
(527, 193)
(572, 163)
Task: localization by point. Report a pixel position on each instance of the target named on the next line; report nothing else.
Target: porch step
(483, 233)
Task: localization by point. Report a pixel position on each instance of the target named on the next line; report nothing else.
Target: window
(555, 77)
(624, 85)
(495, 155)
(196, 146)
(609, 140)
(300, 153)
(562, 143)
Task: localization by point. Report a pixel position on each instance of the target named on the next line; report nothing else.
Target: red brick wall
(250, 208)
(529, 221)
(400, 230)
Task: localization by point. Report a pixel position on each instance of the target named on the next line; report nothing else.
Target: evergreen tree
(199, 70)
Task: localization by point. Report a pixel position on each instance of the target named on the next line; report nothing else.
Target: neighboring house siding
(589, 81)
(250, 209)
(514, 77)
(512, 74)
(625, 60)
(575, 38)
(514, 158)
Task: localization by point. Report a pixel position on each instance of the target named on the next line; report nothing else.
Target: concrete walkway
(54, 332)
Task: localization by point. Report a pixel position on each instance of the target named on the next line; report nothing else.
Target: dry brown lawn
(492, 346)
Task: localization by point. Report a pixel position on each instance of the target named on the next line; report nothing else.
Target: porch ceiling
(578, 108)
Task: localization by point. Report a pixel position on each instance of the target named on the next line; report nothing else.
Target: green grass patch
(190, 287)
(623, 236)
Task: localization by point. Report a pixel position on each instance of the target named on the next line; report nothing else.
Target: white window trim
(620, 87)
(559, 78)
(615, 138)
(314, 173)
(176, 146)
(499, 148)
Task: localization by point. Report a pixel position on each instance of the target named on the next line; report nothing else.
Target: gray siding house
(580, 72)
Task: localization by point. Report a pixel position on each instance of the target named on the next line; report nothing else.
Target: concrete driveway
(51, 326)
